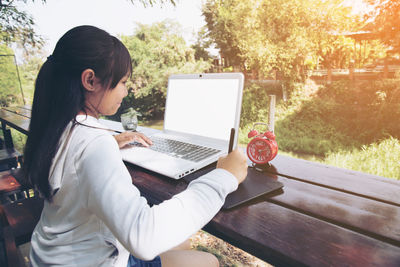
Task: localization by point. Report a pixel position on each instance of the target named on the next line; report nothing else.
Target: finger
(145, 138)
(142, 141)
(125, 142)
(148, 140)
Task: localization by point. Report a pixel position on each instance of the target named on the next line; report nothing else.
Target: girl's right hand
(235, 163)
(128, 137)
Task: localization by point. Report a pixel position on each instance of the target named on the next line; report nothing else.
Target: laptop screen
(203, 106)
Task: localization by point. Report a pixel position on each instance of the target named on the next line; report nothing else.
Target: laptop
(200, 111)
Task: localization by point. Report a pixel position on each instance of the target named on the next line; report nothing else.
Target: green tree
(203, 42)
(29, 71)
(17, 26)
(157, 51)
(9, 85)
(277, 35)
(334, 49)
(384, 20)
(222, 28)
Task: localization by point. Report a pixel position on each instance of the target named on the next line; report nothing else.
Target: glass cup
(129, 121)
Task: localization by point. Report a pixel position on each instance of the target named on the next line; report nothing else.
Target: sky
(56, 17)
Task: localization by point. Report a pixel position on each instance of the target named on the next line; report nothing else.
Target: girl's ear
(88, 79)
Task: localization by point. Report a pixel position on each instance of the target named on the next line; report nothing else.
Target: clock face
(259, 151)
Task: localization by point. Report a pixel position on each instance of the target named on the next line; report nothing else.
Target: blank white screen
(205, 107)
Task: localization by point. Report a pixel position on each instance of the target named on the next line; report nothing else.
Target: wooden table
(324, 216)
(16, 117)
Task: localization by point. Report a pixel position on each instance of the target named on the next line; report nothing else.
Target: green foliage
(381, 158)
(255, 102)
(336, 51)
(306, 131)
(203, 42)
(328, 119)
(342, 116)
(222, 24)
(9, 86)
(367, 112)
(19, 140)
(280, 35)
(17, 26)
(29, 71)
(384, 19)
(157, 51)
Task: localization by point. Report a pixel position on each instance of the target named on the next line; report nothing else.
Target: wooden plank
(373, 218)
(11, 250)
(8, 183)
(27, 107)
(284, 237)
(22, 217)
(19, 111)
(15, 121)
(10, 156)
(279, 234)
(357, 183)
(370, 217)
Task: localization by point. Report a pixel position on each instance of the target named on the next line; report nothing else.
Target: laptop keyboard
(181, 150)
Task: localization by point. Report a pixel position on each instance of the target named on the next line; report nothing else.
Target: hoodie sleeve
(143, 230)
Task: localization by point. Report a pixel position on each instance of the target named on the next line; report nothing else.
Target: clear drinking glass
(129, 120)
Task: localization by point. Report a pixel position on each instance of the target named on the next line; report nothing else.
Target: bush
(157, 51)
(366, 112)
(255, 103)
(328, 119)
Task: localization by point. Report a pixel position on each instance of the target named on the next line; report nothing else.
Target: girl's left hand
(128, 137)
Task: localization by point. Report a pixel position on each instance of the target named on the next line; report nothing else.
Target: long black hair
(60, 95)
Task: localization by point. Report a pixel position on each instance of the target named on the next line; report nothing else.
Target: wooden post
(254, 74)
(351, 71)
(329, 75)
(19, 79)
(271, 113)
(385, 68)
(7, 136)
(284, 92)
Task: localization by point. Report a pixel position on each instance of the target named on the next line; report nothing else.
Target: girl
(93, 215)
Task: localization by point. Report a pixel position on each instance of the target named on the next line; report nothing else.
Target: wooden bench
(9, 186)
(22, 216)
(9, 158)
(12, 257)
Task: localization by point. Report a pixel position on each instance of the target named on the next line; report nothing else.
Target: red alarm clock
(263, 147)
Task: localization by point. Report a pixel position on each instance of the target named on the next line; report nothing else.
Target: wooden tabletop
(17, 118)
(309, 223)
(323, 216)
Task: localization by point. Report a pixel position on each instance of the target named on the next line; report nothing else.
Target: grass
(381, 158)
(19, 140)
(155, 124)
